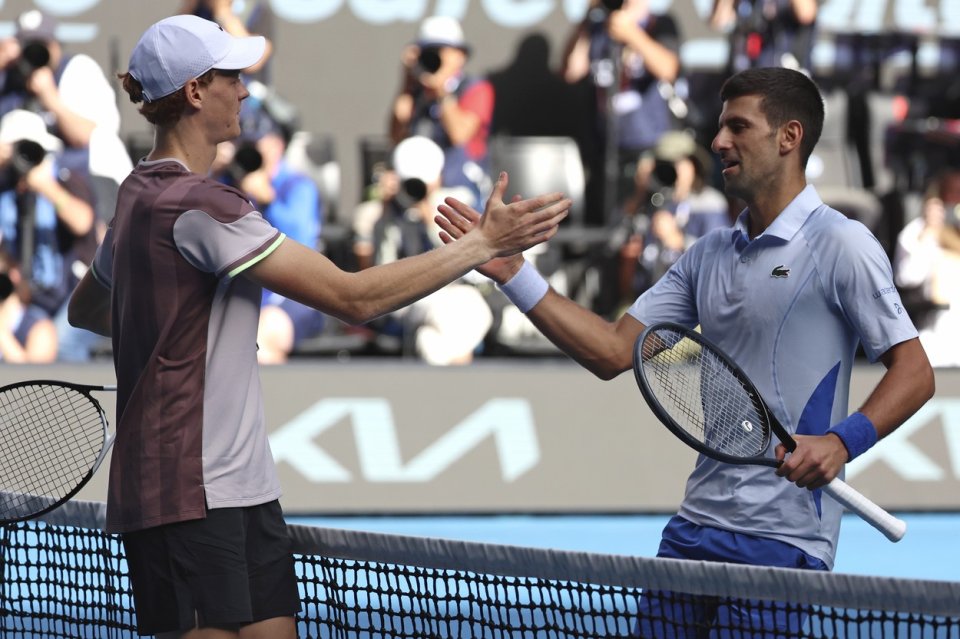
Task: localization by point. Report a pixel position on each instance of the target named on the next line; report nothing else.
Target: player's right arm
(89, 306)
(300, 273)
(602, 347)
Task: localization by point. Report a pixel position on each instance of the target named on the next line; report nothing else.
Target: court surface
(927, 551)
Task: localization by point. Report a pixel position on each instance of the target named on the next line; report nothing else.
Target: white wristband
(526, 288)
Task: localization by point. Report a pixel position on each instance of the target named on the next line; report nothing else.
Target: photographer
(440, 101)
(449, 325)
(71, 91)
(767, 33)
(77, 103)
(46, 212)
(630, 57)
(673, 206)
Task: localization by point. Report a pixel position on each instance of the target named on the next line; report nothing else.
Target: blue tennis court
(927, 551)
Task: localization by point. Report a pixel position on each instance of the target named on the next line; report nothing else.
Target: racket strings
(703, 395)
(49, 439)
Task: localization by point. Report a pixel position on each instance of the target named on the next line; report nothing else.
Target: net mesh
(702, 394)
(64, 578)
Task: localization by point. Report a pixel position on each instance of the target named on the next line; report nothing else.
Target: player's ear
(192, 92)
(791, 134)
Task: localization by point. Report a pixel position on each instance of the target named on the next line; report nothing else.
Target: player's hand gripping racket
(53, 437)
(708, 402)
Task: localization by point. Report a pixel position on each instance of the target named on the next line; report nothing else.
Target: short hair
(167, 110)
(785, 94)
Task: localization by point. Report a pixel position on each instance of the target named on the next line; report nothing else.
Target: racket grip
(892, 528)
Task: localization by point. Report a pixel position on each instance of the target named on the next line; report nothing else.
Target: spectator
(440, 101)
(290, 201)
(384, 189)
(72, 94)
(448, 326)
(27, 335)
(630, 55)
(78, 105)
(927, 262)
(767, 33)
(46, 217)
(674, 205)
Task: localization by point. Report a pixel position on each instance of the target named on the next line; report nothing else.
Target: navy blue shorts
(229, 569)
(671, 615)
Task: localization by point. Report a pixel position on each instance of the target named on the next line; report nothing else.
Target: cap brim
(426, 44)
(244, 53)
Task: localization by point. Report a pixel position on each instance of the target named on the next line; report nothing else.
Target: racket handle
(890, 526)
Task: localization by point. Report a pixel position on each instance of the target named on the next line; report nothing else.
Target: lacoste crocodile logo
(780, 271)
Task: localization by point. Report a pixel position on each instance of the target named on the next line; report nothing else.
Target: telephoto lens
(429, 60)
(247, 159)
(27, 154)
(34, 55)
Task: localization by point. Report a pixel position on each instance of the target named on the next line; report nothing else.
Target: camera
(428, 61)
(27, 155)
(6, 286)
(33, 56)
(413, 190)
(246, 159)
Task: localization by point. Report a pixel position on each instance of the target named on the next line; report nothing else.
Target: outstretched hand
(509, 228)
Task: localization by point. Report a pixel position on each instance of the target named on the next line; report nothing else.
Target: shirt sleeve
(863, 281)
(479, 100)
(102, 265)
(224, 248)
(673, 296)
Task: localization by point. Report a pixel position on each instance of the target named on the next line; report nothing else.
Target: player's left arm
(906, 386)
(861, 271)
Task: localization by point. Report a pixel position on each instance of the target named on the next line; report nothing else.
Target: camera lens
(6, 286)
(35, 54)
(248, 158)
(27, 154)
(414, 188)
(429, 59)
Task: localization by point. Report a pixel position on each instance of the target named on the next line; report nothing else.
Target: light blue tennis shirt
(790, 307)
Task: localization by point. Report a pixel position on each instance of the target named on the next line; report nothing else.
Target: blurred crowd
(650, 183)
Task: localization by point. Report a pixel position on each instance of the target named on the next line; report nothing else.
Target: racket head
(701, 395)
(52, 439)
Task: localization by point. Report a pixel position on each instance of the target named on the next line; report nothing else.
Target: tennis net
(63, 577)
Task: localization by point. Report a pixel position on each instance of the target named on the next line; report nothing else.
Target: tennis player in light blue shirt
(763, 302)
(790, 292)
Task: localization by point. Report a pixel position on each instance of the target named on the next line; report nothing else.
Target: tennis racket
(704, 398)
(53, 437)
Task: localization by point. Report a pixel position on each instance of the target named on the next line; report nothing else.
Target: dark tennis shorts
(232, 568)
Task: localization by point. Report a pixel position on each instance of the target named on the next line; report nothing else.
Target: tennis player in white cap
(177, 283)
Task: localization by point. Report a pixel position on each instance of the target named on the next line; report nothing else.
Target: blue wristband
(857, 433)
(526, 288)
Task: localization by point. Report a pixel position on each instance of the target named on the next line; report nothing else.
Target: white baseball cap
(418, 157)
(441, 31)
(182, 47)
(20, 124)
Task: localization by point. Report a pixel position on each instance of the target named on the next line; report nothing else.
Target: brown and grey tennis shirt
(190, 423)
